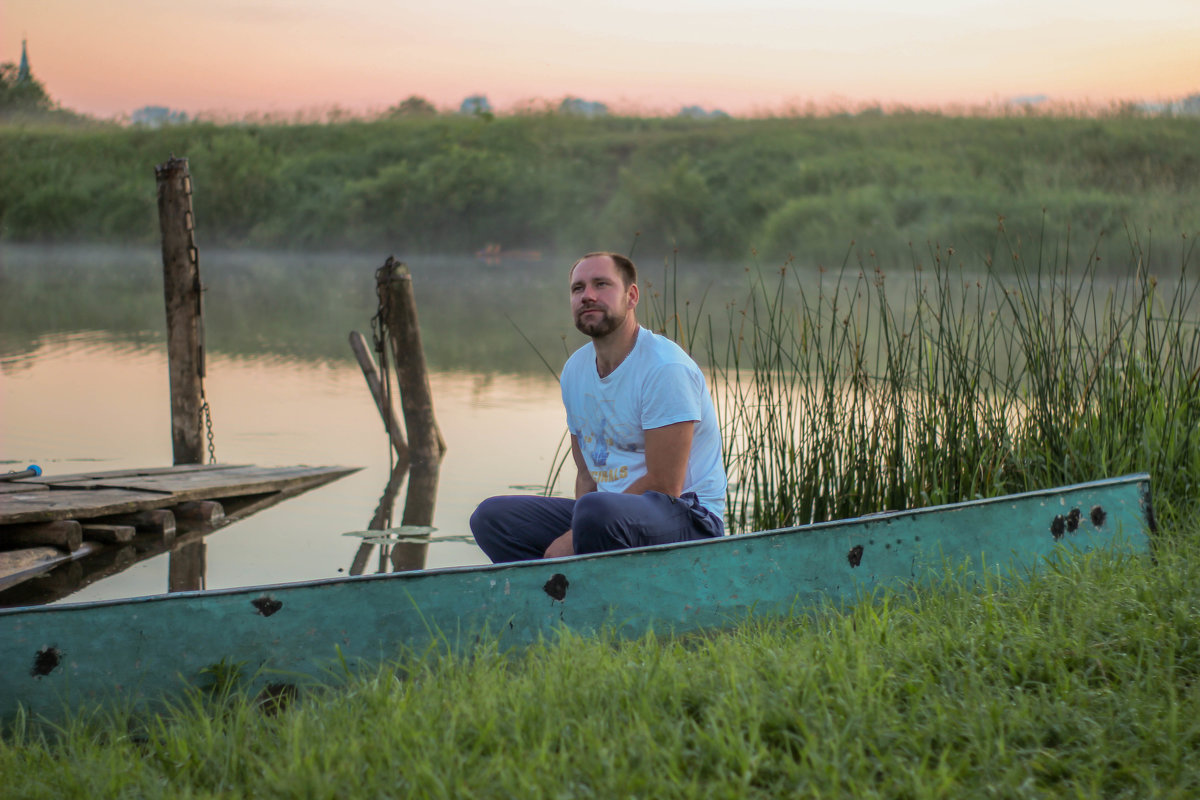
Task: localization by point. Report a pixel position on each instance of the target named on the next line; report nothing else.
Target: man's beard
(597, 328)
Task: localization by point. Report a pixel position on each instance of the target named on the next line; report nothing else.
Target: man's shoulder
(662, 350)
(584, 355)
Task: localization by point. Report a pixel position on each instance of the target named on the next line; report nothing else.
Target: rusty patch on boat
(855, 555)
(1098, 515)
(46, 661)
(1058, 527)
(556, 587)
(1073, 520)
(266, 605)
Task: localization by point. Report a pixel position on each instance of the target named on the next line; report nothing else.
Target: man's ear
(633, 295)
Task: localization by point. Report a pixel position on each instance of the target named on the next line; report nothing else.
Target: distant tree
(21, 92)
(413, 106)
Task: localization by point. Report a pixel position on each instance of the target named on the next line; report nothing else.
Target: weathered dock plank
(17, 487)
(178, 469)
(196, 485)
(75, 504)
(104, 509)
(101, 494)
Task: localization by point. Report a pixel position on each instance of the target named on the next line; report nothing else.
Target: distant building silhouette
(583, 108)
(1187, 107)
(697, 112)
(476, 104)
(20, 91)
(23, 75)
(157, 116)
(1028, 99)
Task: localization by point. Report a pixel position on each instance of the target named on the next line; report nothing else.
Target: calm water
(83, 387)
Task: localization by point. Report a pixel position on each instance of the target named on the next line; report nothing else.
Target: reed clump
(842, 394)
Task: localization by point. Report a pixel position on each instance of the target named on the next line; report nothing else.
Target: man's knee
(485, 525)
(596, 526)
(519, 527)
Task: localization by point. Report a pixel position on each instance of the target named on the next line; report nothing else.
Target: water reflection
(401, 553)
(84, 403)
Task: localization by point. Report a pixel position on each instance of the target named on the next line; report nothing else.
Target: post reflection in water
(186, 567)
(403, 554)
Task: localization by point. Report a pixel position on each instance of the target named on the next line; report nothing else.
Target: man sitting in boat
(644, 436)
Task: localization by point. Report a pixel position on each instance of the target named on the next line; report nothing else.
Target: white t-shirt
(657, 384)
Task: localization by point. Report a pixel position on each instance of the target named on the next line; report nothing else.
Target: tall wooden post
(394, 285)
(182, 290)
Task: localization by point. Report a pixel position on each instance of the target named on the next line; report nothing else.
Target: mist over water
(83, 380)
(83, 387)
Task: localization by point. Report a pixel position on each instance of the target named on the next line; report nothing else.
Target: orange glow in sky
(752, 56)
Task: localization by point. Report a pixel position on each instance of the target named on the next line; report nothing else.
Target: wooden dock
(87, 526)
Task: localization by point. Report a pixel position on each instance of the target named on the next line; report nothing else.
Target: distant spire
(23, 71)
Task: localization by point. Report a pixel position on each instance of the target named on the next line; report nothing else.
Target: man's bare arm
(667, 451)
(584, 483)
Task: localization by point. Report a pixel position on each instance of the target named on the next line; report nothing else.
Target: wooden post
(182, 291)
(421, 497)
(65, 534)
(394, 285)
(108, 533)
(154, 522)
(205, 513)
(358, 343)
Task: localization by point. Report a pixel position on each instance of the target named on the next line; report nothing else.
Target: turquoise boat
(137, 652)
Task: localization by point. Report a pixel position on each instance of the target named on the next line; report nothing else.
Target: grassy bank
(1080, 683)
(713, 188)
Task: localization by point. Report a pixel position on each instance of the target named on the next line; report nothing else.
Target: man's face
(600, 300)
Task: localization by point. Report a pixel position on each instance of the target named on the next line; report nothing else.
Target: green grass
(713, 188)
(1078, 682)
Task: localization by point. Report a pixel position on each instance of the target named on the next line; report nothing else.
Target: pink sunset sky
(754, 57)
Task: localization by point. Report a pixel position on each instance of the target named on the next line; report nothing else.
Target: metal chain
(194, 257)
(206, 415)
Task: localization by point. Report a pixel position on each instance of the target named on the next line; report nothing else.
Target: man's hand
(562, 546)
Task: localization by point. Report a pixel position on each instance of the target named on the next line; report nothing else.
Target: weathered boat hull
(134, 651)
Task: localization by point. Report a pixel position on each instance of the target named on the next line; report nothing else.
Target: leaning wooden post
(358, 343)
(399, 304)
(182, 291)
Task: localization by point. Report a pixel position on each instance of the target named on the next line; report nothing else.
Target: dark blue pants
(521, 527)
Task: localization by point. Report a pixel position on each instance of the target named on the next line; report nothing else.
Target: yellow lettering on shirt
(609, 475)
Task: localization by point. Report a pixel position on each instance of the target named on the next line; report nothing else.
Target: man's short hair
(625, 265)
